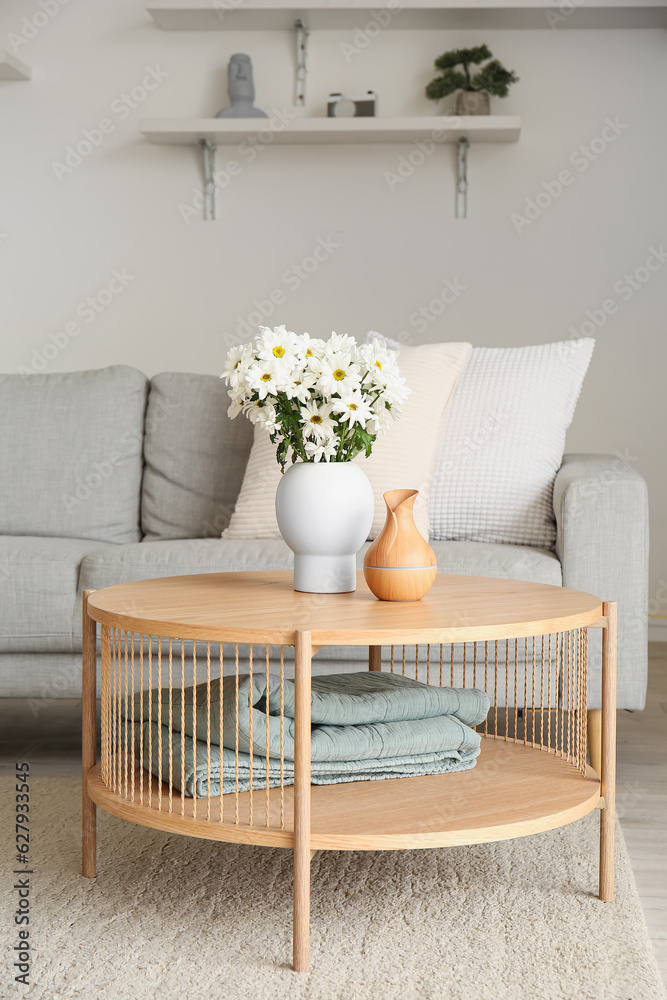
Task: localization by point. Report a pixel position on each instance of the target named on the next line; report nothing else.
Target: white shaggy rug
(178, 919)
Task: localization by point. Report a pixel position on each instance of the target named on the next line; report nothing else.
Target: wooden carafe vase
(400, 565)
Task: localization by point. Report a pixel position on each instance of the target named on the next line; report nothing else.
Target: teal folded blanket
(365, 726)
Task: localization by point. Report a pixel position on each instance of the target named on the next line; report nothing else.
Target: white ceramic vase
(324, 512)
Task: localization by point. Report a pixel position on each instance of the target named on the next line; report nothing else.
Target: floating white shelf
(208, 133)
(12, 68)
(237, 15)
(230, 131)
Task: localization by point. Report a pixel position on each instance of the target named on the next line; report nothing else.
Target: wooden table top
(263, 607)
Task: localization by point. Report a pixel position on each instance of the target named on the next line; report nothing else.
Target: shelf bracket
(462, 180)
(301, 68)
(209, 179)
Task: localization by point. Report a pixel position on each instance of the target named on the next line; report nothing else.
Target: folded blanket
(365, 726)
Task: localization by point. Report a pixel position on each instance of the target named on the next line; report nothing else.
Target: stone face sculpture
(241, 90)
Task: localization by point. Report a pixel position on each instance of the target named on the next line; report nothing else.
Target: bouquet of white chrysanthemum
(324, 400)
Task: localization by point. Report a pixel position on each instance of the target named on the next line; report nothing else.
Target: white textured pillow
(403, 458)
(503, 442)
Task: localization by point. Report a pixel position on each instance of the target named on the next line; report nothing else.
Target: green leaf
(281, 451)
(448, 83)
(463, 57)
(495, 79)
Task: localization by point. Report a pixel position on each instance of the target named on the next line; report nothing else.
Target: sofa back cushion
(195, 457)
(503, 443)
(70, 454)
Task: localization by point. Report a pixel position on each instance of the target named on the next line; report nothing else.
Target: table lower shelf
(514, 791)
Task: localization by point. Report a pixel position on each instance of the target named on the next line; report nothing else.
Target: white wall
(192, 281)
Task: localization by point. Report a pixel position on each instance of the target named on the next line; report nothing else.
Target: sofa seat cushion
(43, 675)
(38, 587)
(148, 560)
(125, 563)
(71, 454)
(510, 562)
(178, 557)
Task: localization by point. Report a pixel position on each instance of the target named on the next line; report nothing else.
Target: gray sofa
(109, 477)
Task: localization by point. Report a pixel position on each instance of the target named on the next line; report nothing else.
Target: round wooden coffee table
(525, 644)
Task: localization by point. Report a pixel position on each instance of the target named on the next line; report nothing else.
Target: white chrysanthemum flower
(302, 391)
(314, 364)
(267, 376)
(237, 361)
(381, 418)
(317, 346)
(339, 373)
(314, 450)
(394, 390)
(353, 408)
(278, 344)
(316, 350)
(238, 396)
(330, 387)
(317, 420)
(300, 385)
(261, 412)
(380, 360)
(325, 450)
(310, 347)
(341, 343)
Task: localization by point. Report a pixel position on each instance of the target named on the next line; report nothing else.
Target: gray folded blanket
(365, 726)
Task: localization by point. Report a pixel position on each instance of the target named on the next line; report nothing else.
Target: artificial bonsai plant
(473, 98)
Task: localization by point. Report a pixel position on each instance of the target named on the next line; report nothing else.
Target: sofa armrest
(601, 508)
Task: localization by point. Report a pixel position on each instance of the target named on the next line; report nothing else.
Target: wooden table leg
(375, 657)
(89, 740)
(594, 723)
(302, 853)
(608, 762)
